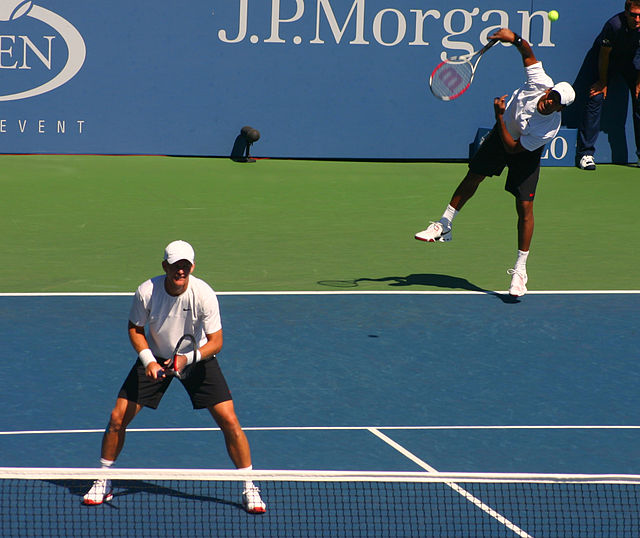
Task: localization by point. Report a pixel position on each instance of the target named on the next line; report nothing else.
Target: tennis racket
(453, 76)
(183, 359)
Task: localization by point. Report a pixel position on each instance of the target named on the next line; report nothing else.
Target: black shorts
(524, 167)
(205, 385)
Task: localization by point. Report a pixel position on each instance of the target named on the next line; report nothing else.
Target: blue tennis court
(356, 382)
(435, 367)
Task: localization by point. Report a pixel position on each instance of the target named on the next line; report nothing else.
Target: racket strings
(449, 80)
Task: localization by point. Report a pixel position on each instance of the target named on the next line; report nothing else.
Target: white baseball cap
(179, 250)
(566, 93)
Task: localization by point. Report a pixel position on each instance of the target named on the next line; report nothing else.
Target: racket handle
(490, 44)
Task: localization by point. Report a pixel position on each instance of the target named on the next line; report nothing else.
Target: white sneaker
(252, 501)
(100, 492)
(437, 231)
(587, 163)
(518, 282)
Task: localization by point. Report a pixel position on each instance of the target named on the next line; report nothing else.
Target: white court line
(455, 487)
(331, 428)
(375, 431)
(336, 292)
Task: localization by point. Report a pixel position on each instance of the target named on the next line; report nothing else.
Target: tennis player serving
(524, 124)
(171, 306)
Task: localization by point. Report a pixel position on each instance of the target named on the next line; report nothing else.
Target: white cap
(179, 250)
(566, 93)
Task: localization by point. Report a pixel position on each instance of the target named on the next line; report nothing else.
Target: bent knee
(228, 421)
(114, 428)
(117, 422)
(524, 208)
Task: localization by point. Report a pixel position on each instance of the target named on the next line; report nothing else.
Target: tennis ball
(553, 15)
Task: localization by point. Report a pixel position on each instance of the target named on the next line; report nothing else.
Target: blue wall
(318, 78)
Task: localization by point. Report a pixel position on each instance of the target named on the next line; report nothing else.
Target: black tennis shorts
(524, 167)
(205, 385)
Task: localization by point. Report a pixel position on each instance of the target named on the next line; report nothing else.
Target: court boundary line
(375, 430)
(336, 428)
(455, 487)
(332, 292)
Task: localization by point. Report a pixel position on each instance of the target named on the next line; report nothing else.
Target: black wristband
(517, 40)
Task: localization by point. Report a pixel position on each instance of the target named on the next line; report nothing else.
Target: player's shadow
(423, 279)
(126, 488)
(614, 110)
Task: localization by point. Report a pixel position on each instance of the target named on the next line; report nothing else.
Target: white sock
(521, 261)
(105, 464)
(449, 214)
(247, 483)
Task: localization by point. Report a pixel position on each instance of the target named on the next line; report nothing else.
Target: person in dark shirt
(618, 46)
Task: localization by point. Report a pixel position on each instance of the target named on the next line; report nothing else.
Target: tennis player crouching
(170, 306)
(523, 126)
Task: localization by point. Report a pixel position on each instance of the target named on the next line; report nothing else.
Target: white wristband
(194, 356)
(146, 357)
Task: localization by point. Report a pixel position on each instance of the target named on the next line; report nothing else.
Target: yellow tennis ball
(553, 15)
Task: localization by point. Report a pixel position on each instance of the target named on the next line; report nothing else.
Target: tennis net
(47, 502)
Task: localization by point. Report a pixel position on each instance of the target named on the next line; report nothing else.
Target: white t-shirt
(521, 117)
(196, 312)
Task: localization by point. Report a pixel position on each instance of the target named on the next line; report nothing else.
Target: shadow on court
(422, 279)
(122, 489)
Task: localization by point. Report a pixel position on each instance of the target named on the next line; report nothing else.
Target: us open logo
(21, 48)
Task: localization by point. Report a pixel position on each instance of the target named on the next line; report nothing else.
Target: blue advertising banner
(335, 79)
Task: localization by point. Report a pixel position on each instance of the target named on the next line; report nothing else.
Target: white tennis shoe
(436, 231)
(518, 282)
(100, 492)
(587, 163)
(252, 501)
